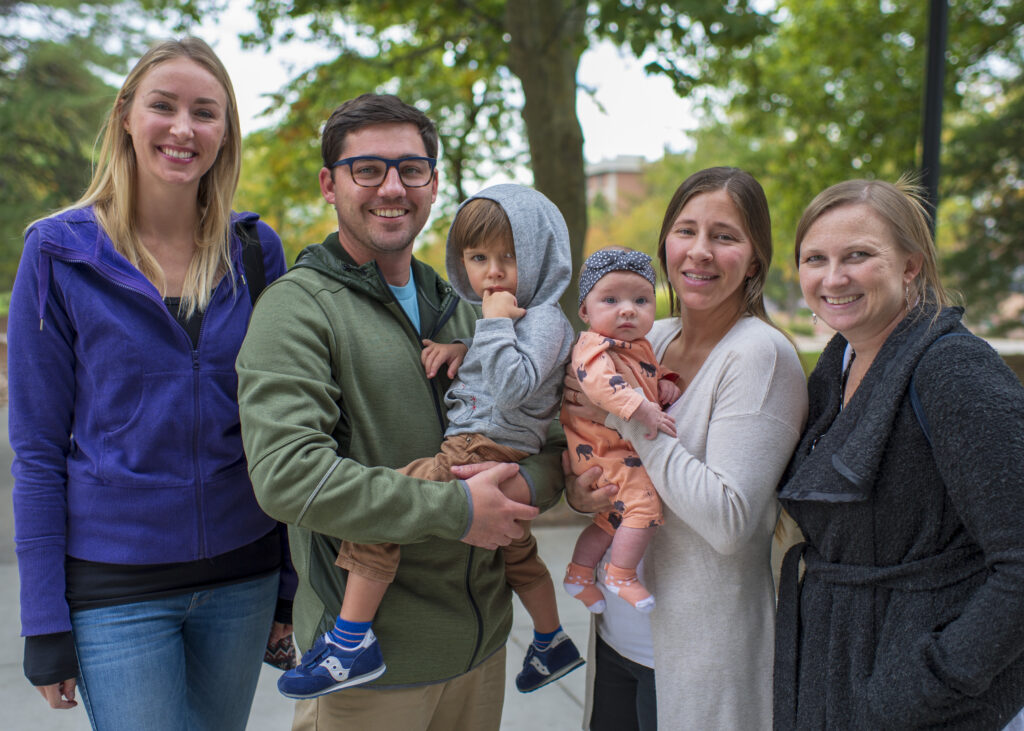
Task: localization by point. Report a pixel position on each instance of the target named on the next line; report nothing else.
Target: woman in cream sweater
(743, 406)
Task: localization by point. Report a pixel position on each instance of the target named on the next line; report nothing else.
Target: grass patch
(1016, 363)
(808, 360)
(796, 327)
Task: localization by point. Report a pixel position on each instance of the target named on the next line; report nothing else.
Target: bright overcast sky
(642, 115)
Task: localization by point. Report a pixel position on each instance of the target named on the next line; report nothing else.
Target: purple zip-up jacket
(126, 439)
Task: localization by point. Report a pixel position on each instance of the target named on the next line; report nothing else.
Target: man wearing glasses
(332, 390)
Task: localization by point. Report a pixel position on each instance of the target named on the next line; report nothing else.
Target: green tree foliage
(987, 177)
(836, 92)
(53, 100)
(478, 67)
(985, 188)
(281, 164)
(281, 190)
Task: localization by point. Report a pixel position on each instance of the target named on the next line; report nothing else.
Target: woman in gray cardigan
(908, 484)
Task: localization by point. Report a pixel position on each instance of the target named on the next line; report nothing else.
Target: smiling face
(177, 123)
(491, 267)
(379, 223)
(854, 276)
(708, 255)
(620, 305)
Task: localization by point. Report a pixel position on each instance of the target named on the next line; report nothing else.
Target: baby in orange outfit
(612, 360)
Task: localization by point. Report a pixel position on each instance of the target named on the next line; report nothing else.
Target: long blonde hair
(113, 187)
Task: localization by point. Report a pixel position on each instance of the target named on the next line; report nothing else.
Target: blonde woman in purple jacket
(149, 575)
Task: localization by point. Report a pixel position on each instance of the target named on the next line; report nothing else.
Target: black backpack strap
(252, 258)
(915, 400)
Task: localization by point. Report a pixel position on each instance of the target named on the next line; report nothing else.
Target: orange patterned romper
(608, 371)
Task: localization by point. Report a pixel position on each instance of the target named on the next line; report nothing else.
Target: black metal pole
(932, 128)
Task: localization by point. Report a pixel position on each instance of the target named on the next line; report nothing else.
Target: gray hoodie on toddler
(509, 385)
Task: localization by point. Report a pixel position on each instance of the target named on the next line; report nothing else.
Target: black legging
(624, 695)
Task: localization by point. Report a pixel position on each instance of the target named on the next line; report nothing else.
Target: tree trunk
(546, 41)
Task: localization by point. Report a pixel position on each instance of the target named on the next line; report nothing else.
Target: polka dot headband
(607, 261)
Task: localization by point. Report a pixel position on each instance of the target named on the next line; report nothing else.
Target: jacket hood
(541, 240)
(331, 260)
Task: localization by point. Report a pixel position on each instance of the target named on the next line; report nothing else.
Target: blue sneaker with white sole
(546, 666)
(327, 667)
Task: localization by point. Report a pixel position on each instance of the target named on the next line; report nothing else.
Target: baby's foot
(624, 583)
(579, 582)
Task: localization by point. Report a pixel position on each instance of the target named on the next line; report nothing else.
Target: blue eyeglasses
(369, 171)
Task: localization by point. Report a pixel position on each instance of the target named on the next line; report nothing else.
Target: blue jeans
(189, 661)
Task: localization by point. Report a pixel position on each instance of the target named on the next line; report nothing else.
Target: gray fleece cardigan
(911, 610)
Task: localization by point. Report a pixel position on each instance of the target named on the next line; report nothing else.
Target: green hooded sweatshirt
(332, 397)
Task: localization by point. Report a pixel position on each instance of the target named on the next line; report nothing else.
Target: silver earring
(906, 295)
(814, 318)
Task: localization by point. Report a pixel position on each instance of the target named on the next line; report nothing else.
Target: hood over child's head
(539, 238)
